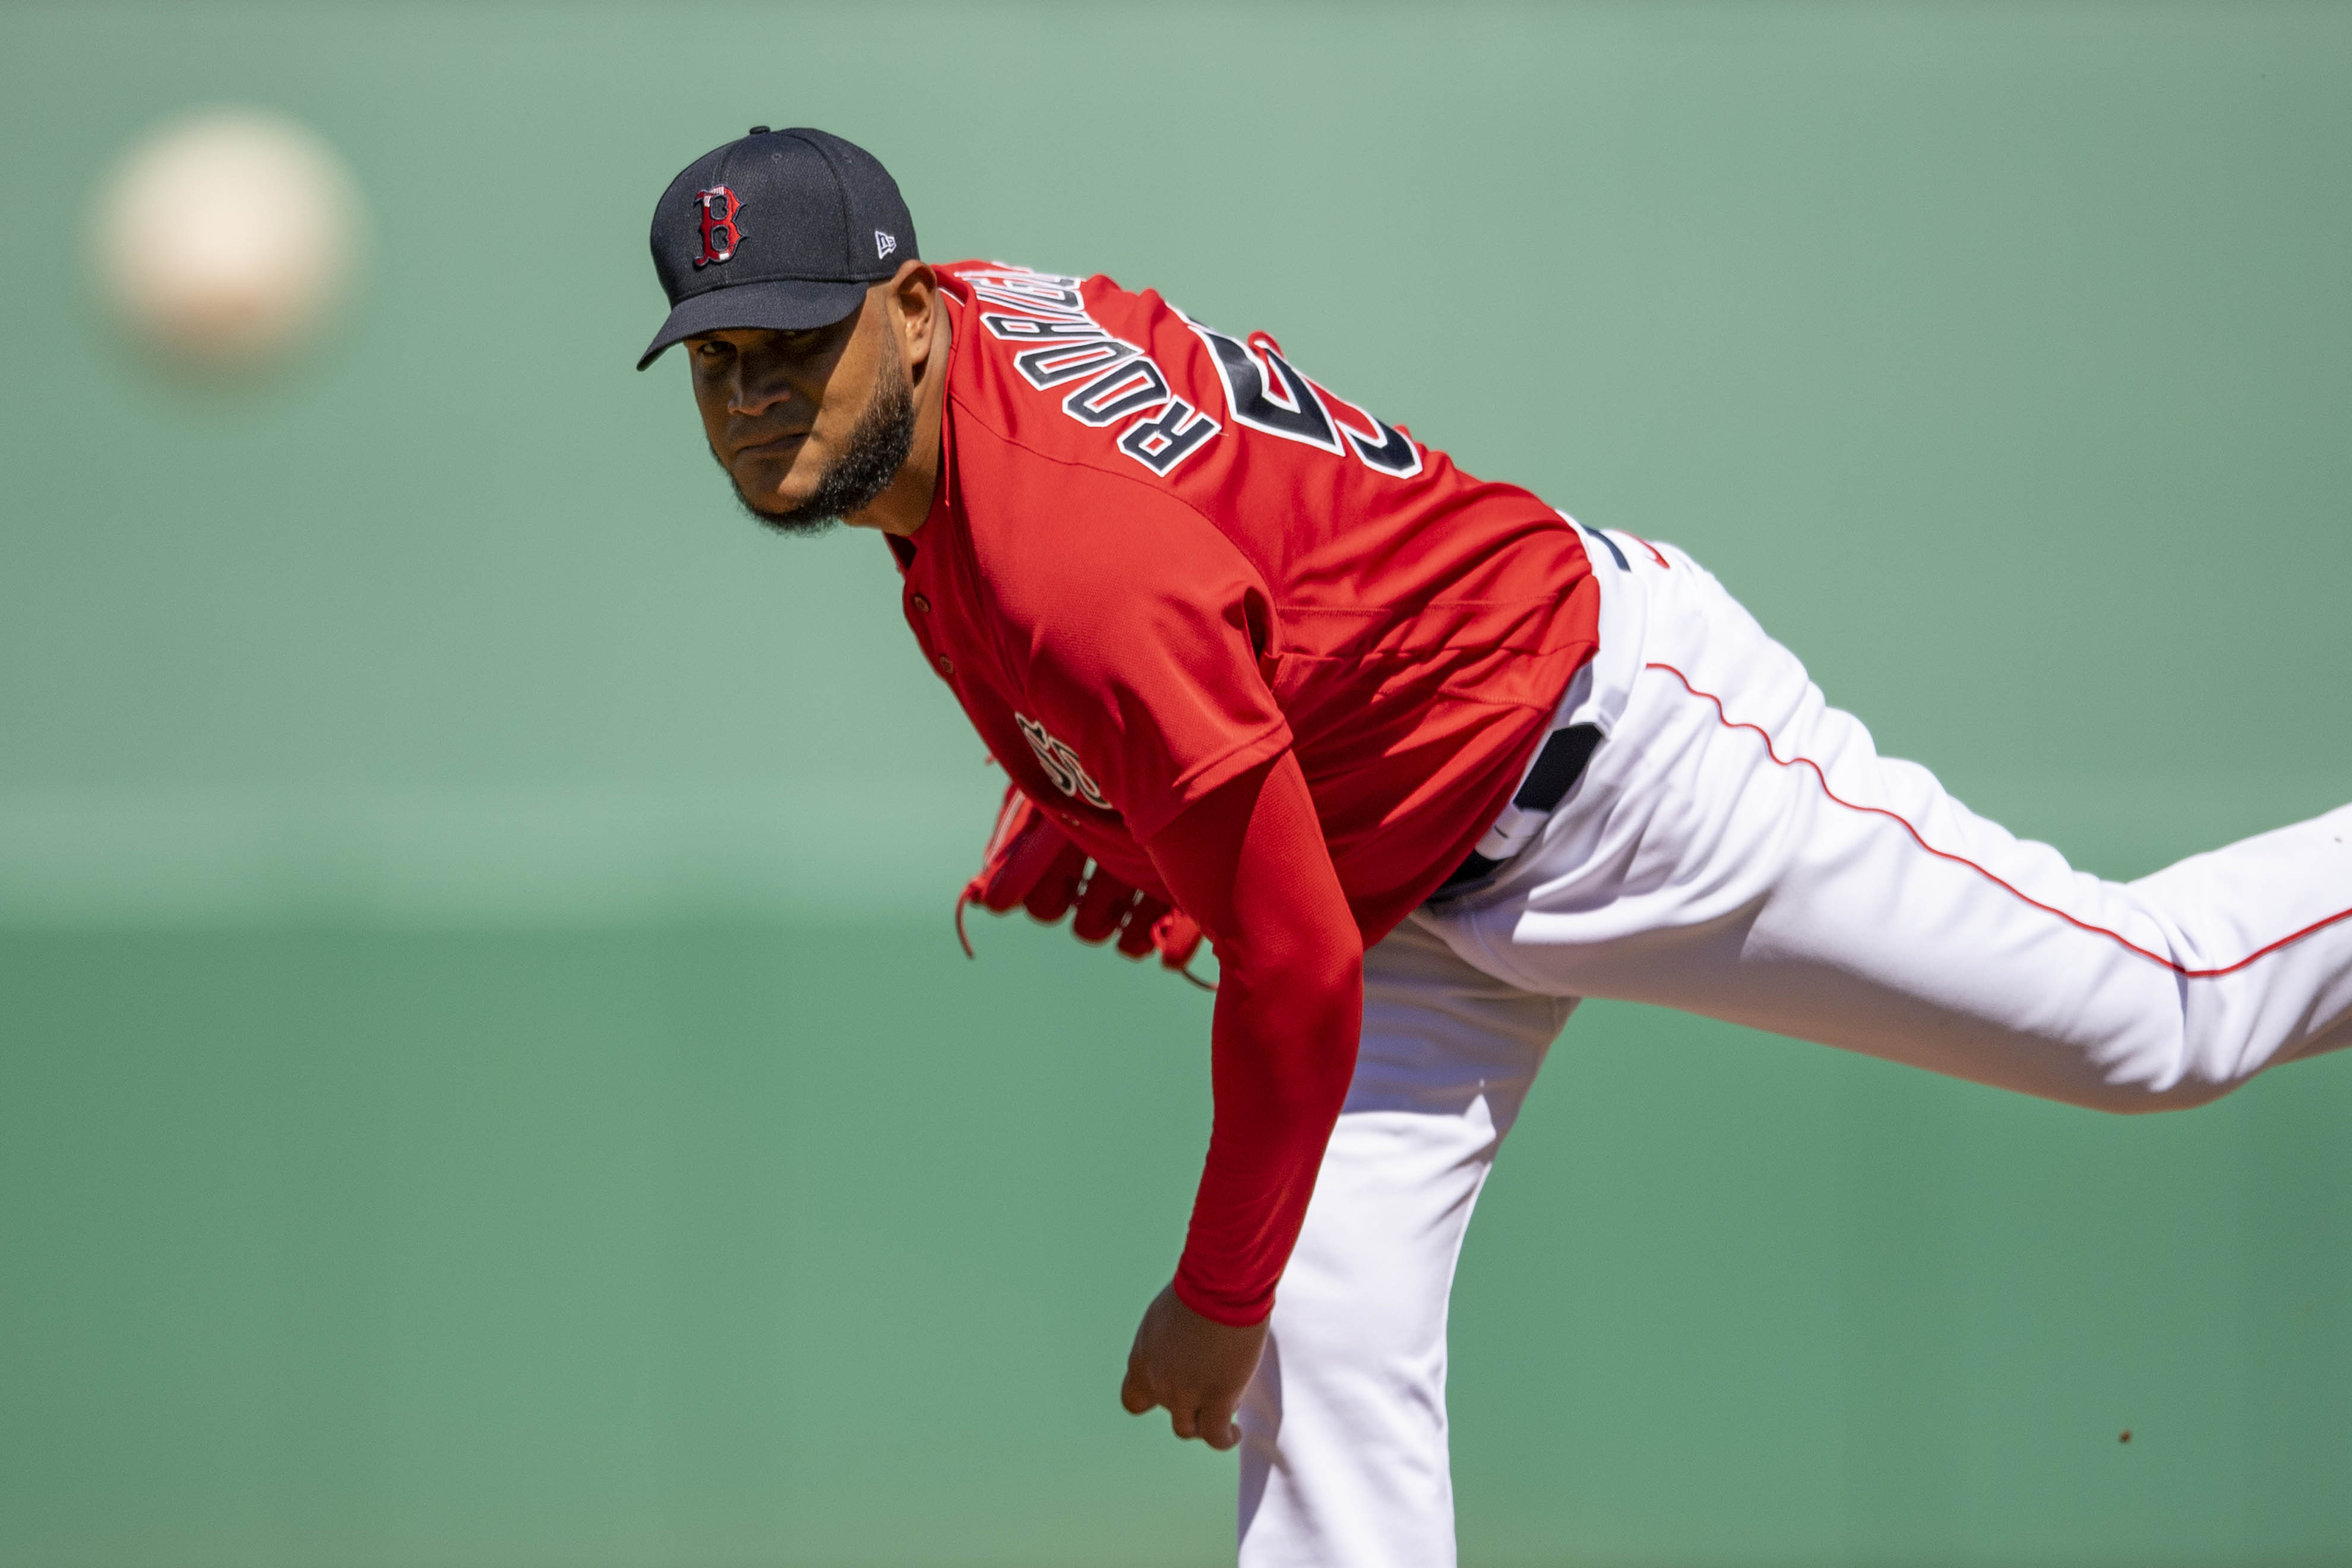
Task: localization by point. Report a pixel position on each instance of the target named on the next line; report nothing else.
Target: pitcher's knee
(2178, 1065)
(2147, 1099)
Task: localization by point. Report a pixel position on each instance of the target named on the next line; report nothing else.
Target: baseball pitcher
(1427, 761)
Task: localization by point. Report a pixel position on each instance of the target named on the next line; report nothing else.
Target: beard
(876, 450)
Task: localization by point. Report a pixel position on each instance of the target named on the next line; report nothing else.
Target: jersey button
(947, 665)
(922, 605)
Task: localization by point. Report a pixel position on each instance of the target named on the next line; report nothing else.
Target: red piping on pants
(1651, 547)
(2116, 937)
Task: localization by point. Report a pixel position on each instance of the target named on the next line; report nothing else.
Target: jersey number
(1266, 392)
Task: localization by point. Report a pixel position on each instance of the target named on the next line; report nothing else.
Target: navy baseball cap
(784, 229)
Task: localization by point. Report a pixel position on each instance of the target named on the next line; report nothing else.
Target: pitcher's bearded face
(810, 425)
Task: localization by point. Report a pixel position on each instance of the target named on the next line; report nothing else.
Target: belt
(1557, 768)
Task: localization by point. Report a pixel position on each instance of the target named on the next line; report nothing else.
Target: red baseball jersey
(1161, 553)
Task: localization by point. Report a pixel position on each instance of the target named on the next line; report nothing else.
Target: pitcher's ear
(914, 291)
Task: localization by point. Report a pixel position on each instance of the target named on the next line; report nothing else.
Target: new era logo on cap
(883, 244)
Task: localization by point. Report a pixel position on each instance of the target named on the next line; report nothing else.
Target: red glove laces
(1031, 864)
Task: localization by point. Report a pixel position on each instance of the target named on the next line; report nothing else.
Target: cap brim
(783, 305)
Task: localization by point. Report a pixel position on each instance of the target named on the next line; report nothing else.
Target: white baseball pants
(1736, 848)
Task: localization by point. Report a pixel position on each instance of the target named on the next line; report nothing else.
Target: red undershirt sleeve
(1247, 860)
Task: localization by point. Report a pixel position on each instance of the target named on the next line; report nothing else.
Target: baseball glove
(1031, 864)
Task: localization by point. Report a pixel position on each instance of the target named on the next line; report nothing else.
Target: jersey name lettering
(1116, 380)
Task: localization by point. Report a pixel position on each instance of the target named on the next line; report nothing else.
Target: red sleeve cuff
(1217, 1309)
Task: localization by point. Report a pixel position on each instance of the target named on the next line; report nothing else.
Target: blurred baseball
(229, 238)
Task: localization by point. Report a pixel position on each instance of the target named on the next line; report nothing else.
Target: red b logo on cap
(719, 235)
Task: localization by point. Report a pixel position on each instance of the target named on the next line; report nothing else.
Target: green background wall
(486, 1076)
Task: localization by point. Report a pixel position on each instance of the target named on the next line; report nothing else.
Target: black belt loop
(1557, 767)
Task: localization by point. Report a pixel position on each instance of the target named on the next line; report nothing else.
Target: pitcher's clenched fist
(1191, 1367)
